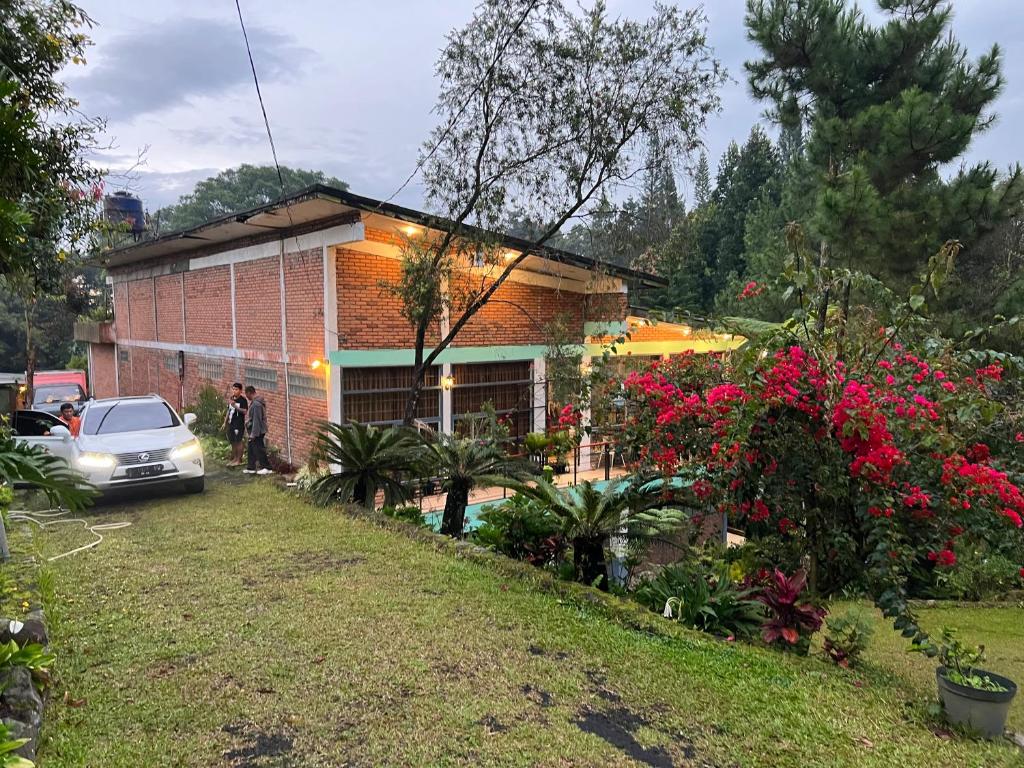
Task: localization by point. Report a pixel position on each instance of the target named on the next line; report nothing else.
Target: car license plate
(137, 472)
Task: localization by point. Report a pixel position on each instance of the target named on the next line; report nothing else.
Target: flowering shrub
(874, 464)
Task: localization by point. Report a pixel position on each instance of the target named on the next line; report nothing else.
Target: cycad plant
(589, 517)
(464, 464)
(364, 460)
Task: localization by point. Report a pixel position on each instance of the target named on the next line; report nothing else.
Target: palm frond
(32, 465)
(367, 458)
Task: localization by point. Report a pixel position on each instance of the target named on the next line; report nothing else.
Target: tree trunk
(819, 325)
(588, 560)
(454, 521)
(30, 357)
(844, 316)
(359, 492)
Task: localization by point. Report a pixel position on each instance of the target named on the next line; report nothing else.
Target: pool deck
(481, 495)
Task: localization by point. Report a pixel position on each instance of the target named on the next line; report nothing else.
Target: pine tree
(886, 106)
(702, 181)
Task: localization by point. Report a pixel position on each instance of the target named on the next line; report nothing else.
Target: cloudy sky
(349, 85)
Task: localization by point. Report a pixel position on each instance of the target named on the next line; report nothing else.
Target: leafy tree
(464, 464)
(49, 192)
(545, 108)
(368, 460)
(745, 177)
(237, 189)
(877, 445)
(886, 107)
(707, 248)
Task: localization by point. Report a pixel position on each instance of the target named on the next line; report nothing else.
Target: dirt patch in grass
(617, 727)
(538, 695)
(256, 746)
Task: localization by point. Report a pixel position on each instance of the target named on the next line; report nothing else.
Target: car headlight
(188, 450)
(91, 460)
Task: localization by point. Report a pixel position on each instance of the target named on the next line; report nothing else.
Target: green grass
(999, 629)
(245, 622)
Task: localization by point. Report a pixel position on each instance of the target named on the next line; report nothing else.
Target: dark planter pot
(984, 711)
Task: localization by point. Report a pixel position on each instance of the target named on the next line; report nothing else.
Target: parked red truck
(52, 388)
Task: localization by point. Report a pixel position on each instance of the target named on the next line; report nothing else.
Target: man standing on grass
(234, 423)
(256, 425)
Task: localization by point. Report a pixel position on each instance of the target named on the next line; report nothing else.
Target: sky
(349, 86)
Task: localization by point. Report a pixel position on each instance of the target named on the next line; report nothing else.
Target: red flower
(760, 512)
(946, 558)
(750, 290)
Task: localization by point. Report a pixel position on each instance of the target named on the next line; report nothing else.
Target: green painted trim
(666, 347)
(370, 358)
(605, 327)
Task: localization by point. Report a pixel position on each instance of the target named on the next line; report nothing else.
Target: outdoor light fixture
(410, 231)
(447, 382)
(315, 365)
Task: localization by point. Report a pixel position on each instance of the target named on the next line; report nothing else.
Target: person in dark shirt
(234, 423)
(256, 425)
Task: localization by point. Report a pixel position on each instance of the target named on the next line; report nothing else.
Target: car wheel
(195, 484)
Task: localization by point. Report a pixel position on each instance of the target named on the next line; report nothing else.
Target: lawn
(244, 627)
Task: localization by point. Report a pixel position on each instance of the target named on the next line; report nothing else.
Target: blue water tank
(125, 208)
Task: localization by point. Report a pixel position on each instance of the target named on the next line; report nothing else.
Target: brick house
(288, 297)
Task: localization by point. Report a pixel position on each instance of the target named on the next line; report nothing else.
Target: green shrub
(705, 600)
(979, 575)
(522, 528)
(407, 514)
(210, 407)
(847, 636)
(307, 475)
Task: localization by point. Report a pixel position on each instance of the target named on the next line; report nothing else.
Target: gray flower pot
(984, 711)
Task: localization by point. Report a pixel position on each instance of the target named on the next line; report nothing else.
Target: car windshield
(109, 418)
(59, 393)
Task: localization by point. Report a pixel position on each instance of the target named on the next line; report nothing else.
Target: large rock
(29, 630)
(19, 698)
(19, 730)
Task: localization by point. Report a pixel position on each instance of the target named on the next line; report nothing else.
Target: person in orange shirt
(73, 422)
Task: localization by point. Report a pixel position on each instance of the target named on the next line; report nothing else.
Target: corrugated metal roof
(317, 207)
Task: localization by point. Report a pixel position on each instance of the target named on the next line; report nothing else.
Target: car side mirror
(189, 419)
(62, 432)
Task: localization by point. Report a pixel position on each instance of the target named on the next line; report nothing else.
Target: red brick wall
(304, 301)
(258, 304)
(518, 313)
(168, 308)
(120, 293)
(142, 310)
(208, 306)
(369, 317)
(607, 306)
(102, 373)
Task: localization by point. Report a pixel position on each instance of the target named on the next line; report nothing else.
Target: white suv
(129, 441)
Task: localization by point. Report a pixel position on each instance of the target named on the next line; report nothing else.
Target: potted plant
(536, 443)
(970, 695)
(561, 444)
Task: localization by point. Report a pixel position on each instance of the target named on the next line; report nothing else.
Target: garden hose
(56, 517)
